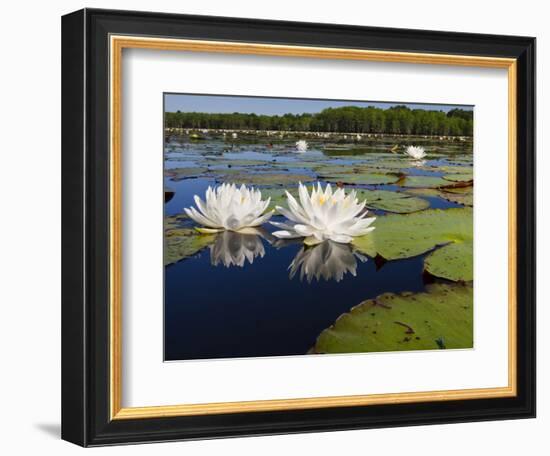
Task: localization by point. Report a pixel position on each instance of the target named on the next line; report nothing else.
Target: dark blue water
(257, 310)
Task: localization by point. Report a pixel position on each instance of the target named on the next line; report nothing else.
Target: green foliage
(270, 179)
(396, 202)
(181, 243)
(364, 178)
(177, 174)
(405, 236)
(347, 119)
(441, 317)
(423, 182)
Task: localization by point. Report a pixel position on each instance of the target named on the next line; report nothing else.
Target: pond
(232, 295)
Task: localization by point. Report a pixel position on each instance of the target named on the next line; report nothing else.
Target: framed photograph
(275, 227)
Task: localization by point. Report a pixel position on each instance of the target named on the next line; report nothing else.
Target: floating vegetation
(423, 181)
(449, 233)
(463, 177)
(440, 318)
(466, 199)
(269, 178)
(400, 250)
(461, 195)
(181, 243)
(177, 174)
(364, 178)
(396, 202)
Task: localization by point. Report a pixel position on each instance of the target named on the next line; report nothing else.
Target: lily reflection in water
(234, 249)
(329, 260)
(417, 163)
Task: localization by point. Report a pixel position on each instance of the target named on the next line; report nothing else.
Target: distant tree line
(349, 119)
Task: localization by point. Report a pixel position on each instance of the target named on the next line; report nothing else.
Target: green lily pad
(423, 182)
(181, 243)
(268, 178)
(394, 164)
(365, 178)
(405, 236)
(334, 170)
(460, 190)
(423, 191)
(459, 195)
(453, 262)
(176, 221)
(396, 202)
(278, 196)
(236, 162)
(177, 174)
(450, 169)
(441, 317)
(459, 177)
(467, 199)
(295, 164)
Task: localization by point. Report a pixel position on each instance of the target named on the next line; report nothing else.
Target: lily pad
(181, 243)
(365, 178)
(450, 169)
(278, 196)
(453, 262)
(332, 170)
(466, 199)
(423, 182)
(463, 190)
(236, 162)
(392, 164)
(176, 221)
(295, 164)
(464, 177)
(424, 192)
(396, 202)
(441, 317)
(405, 236)
(269, 178)
(177, 174)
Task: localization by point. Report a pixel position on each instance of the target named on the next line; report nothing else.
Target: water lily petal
(286, 234)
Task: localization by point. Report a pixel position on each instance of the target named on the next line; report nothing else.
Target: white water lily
(329, 260)
(302, 145)
(234, 249)
(324, 215)
(416, 152)
(230, 208)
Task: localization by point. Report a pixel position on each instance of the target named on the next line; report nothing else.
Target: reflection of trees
(233, 249)
(329, 260)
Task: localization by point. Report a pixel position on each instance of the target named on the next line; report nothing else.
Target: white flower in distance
(416, 152)
(234, 135)
(324, 215)
(230, 208)
(302, 145)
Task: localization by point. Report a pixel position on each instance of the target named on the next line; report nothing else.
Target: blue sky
(272, 106)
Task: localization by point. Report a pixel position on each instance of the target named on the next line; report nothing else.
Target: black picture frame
(85, 224)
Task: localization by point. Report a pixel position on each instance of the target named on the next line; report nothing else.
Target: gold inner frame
(117, 44)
